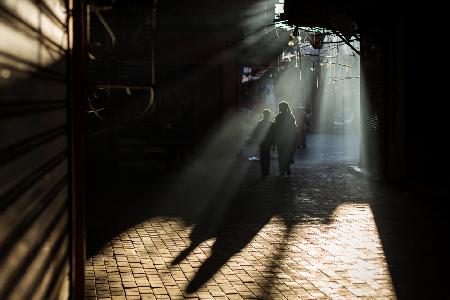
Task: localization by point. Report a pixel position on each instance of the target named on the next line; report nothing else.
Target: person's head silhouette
(266, 114)
(283, 107)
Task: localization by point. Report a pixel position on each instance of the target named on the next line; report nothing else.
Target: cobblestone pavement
(324, 233)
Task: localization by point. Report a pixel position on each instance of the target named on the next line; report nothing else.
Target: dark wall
(427, 106)
(196, 67)
(407, 87)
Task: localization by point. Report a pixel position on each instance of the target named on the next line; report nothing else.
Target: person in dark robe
(301, 127)
(263, 134)
(285, 137)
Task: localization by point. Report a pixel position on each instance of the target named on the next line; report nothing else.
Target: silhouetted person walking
(263, 134)
(301, 127)
(285, 136)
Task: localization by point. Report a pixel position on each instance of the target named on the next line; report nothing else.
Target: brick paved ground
(323, 233)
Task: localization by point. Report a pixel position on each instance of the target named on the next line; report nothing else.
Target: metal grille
(374, 84)
(374, 114)
(34, 197)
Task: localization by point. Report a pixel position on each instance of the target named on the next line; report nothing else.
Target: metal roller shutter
(34, 143)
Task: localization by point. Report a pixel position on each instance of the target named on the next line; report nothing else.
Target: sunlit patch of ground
(342, 258)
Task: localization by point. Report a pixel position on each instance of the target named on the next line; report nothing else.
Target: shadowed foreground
(323, 233)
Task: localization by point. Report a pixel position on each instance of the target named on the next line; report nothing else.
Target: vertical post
(78, 141)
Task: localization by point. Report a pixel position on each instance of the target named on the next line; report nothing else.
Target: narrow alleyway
(324, 233)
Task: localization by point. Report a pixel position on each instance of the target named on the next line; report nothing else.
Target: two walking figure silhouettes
(282, 132)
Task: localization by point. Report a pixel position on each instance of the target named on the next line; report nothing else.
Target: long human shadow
(252, 208)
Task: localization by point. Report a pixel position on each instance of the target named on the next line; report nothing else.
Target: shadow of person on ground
(249, 212)
(252, 208)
